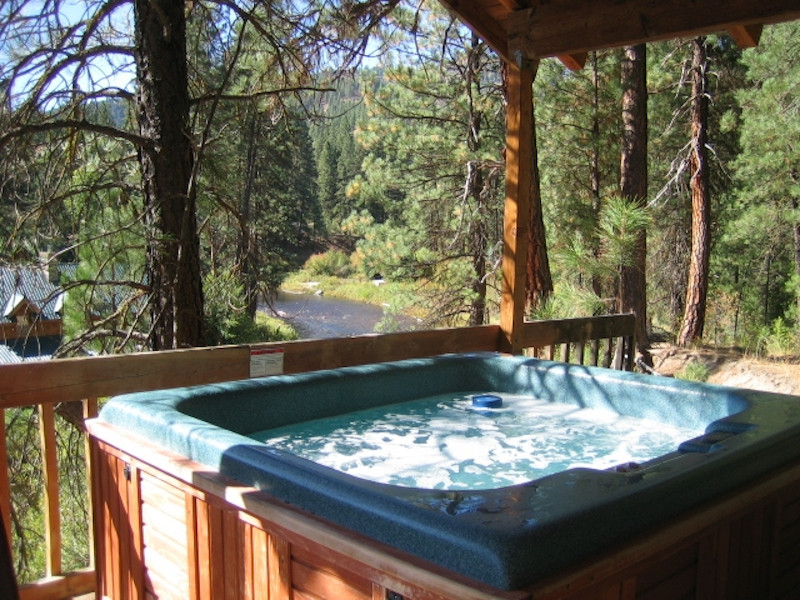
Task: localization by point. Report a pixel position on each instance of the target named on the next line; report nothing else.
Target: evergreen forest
(365, 140)
(388, 162)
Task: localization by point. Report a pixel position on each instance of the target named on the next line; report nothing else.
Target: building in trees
(30, 314)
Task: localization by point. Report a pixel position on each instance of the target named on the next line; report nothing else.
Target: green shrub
(273, 329)
(334, 263)
(778, 339)
(227, 319)
(570, 300)
(694, 371)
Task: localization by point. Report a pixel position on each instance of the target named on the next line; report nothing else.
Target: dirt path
(728, 367)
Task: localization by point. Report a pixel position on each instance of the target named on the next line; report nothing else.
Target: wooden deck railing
(609, 340)
(47, 385)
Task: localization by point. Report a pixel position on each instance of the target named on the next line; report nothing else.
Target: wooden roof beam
(746, 36)
(478, 20)
(472, 15)
(572, 27)
(574, 62)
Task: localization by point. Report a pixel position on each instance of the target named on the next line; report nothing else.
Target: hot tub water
(444, 442)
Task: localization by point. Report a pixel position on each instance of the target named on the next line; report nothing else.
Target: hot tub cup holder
(487, 401)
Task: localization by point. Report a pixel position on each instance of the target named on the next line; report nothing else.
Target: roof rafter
(573, 27)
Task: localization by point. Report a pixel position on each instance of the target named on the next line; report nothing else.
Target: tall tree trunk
(244, 249)
(796, 231)
(633, 186)
(478, 246)
(595, 177)
(539, 282)
(173, 252)
(475, 188)
(697, 289)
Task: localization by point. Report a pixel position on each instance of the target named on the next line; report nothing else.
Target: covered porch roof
(568, 29)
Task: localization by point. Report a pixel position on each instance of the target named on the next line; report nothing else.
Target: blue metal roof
(18, 284)
(8, 356)
(29, 286)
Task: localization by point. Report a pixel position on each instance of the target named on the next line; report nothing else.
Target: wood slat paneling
(786, 553)
(256, 566)
(312, 576)
(279, 562)
(673, 576)
(746, 543)
(165, 549)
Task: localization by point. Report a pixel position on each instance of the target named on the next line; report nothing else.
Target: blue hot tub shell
(507, 537)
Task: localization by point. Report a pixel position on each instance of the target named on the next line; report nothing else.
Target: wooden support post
(519, 156)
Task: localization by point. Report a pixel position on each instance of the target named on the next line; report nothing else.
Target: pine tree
(633, 186)
(59, 64)
(578, 125)
(769, 178)
(697, 289)
(432, 178)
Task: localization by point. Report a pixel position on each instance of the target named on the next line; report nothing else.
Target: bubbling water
(445, 443)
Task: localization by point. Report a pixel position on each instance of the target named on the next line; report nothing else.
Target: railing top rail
(558, 331)
(70, 379)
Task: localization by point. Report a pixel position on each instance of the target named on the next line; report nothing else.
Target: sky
(23, 37)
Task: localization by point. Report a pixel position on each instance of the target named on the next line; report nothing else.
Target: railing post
(89, 412)
(5, 487)
(52, 514)
(8, 579)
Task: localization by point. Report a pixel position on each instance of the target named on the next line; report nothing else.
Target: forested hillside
(388, 151)
(186, 163)
(425, 201)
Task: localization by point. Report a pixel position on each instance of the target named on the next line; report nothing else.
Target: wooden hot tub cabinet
(168, 528)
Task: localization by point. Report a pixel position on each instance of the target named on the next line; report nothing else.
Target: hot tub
(507, 538)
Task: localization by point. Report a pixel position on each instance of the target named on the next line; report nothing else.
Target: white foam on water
(445, 443)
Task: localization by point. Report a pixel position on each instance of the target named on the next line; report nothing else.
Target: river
(318, 316)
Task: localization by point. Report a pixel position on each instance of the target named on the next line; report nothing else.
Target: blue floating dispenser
(487, 401)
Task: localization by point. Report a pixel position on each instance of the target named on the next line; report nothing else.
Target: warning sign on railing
(266, 361)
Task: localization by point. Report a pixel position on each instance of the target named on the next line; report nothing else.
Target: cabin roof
(27, 288)
(533, 29)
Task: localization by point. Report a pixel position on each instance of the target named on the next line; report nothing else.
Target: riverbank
(323, 306)
(346, 288)
(720, 366)
(319, 316)
(394, 297)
